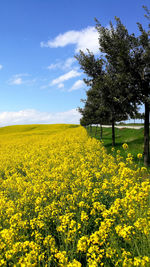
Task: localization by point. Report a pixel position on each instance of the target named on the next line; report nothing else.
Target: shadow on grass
(133, 143)
(133, 137)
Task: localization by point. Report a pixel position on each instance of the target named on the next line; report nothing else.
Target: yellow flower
(143, 169)
(63, 199)
(139, 155)
(74, 263)
(84, 216)
(82, 244)
(125, 146)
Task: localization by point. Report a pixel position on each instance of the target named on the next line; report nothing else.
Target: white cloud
(69, 75)
(54, 66)
(61, 85)
(19, 79)
(63, 65)
(1, 66)
(33, 116)
(21, 75)
(84, 39)
(68, 63)
(77, 85)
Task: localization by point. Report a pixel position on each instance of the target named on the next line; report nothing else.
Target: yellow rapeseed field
(65, 202)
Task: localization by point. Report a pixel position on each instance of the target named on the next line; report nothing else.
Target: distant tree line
(119, 79)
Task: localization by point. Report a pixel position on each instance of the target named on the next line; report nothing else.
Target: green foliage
(119, 79)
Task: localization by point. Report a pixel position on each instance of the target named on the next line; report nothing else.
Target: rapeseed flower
(65, 202)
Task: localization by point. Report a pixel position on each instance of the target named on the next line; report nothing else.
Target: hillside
(65, 202)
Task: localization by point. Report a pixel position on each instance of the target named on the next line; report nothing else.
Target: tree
(106, 90)
(142, 58)
(129, 56)
(101, 113)
(94, 112)
(138, 116)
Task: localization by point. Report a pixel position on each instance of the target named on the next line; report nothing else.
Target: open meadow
(133, 137)
(65, 202)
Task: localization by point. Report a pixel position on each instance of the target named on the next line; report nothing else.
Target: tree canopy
(119, 79)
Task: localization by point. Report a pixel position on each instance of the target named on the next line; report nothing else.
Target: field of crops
(65, 202)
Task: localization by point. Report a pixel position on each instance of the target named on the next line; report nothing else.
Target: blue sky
(40, 80)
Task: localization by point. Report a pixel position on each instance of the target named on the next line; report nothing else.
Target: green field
(133, 137)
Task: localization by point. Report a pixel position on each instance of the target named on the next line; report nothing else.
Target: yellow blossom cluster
(65, 202)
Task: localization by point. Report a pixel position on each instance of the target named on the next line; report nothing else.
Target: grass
(133, 137)
(131, 124)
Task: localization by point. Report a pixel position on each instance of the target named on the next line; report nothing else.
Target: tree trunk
(101, 132)
(113, 133)
(146, 135)
(90, 128)
(96, 131)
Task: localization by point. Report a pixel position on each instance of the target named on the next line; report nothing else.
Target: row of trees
(119, 79)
